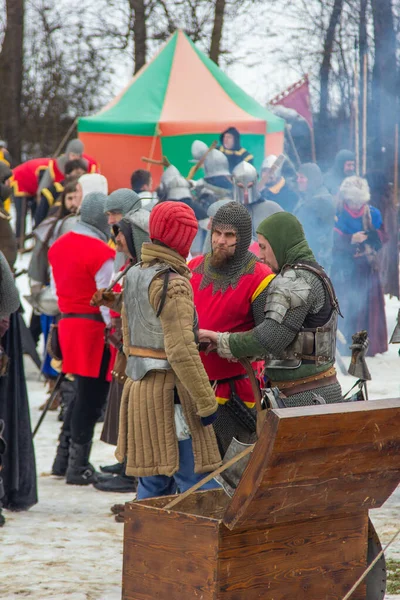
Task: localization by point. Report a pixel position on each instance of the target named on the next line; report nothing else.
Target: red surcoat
(228, 311)
(75, 260)
(25, 177)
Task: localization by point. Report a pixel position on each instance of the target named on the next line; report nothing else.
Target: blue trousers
(46, 321)
(183, 479)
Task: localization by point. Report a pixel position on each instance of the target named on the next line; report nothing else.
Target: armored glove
(103, 298)
(358, 367)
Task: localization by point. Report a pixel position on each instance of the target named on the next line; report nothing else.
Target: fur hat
(354, 191)
(175, 225)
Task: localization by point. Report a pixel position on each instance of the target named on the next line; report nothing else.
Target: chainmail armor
(9, 297)
(228, 425)
(230, 216)
(330, 393)
(275, 337)
(92, 212)
(123, 200)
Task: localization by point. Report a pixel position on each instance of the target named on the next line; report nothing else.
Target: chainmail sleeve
(9, 297)
(272, 337)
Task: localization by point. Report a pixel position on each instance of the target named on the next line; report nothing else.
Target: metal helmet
(244, 177)
(216, 164)
(178, 188)
(268, 161)
(169, 174)
(173, 185)
(198, 150)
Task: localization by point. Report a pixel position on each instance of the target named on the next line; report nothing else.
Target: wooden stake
(356, 119)
(396, 166)
(208, 478)
(370, 567)
(365, 115)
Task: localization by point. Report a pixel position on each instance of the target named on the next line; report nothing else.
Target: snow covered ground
(68, 547)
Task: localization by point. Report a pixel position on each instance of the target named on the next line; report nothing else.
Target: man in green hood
(298, 334)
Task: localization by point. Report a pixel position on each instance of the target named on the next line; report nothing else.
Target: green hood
(286, 236)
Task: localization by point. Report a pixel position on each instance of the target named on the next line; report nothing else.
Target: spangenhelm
(244, 177)
(216, 164)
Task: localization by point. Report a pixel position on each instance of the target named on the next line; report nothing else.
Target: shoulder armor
(285, 292)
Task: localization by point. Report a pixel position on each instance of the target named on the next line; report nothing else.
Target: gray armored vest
(145, 331)
(316, 341)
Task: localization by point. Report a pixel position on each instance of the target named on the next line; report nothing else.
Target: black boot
(60, 463)
(116, 469)
(80, 471)
(2, 519)
(118, 483)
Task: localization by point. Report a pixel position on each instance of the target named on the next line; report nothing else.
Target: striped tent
(179, 96)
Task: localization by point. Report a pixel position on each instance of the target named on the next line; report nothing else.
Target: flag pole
(356, 119)
(396, 166)
(313, 151)
(365, 114)
(291, 140)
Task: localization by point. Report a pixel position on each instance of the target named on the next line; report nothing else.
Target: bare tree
(66, 75)
(11, 72)
(326, 63)
(385, 81)
(139, 27)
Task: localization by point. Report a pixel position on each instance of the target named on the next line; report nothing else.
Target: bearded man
(230, 287)
(297, 336)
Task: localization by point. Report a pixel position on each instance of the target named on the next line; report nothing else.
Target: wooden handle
(200, 163)
(118, 277)
(208, 478)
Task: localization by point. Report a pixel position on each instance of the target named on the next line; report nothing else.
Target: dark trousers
(22, 205)
(89, 403)
(35, 327)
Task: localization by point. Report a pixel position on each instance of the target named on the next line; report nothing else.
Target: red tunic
(58, 176)
(228, 311)
(117, 289)
(75, 260)
(25, 178)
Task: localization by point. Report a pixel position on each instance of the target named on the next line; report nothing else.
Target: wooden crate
(297, 525)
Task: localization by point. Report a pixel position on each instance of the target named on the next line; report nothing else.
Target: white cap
(93, 182)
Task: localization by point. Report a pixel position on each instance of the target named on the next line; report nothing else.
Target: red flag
(297, 97)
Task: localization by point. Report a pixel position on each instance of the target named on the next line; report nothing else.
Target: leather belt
(147, 352)
(89, 316)
(297, 386)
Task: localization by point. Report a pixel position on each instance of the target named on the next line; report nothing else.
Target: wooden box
(297, 525)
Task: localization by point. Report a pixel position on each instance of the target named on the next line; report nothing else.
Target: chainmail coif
(230, 216)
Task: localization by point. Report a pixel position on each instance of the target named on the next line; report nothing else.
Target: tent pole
(153, 146)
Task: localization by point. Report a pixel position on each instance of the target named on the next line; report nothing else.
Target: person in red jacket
(230, 286)
(82, 262)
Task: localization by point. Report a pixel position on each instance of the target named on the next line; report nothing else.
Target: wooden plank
(168, 555)
(313, 560)
(288, 503)
(309, 464)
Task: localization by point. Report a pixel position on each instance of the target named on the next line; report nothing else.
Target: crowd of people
(154, 304)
